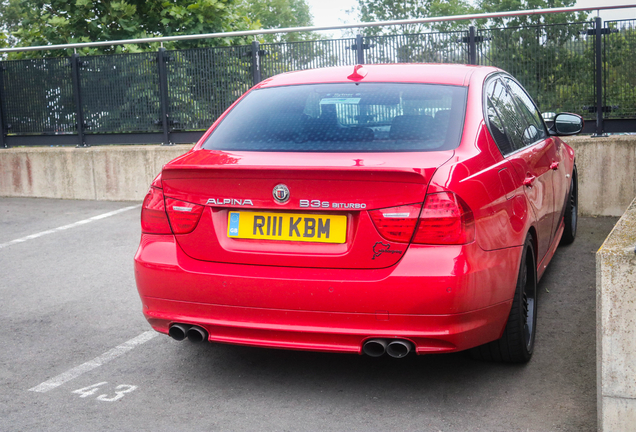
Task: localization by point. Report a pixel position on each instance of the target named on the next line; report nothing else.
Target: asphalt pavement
(76, 353)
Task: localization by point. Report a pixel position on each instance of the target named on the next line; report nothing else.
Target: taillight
(161, 215)
(445, 219)
(396, 223)
(154, 219)
(184, 216)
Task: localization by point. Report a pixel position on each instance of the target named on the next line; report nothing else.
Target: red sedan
(370, 209)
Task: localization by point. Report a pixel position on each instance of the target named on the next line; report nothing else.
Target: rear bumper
(326, 331)
(442, 299)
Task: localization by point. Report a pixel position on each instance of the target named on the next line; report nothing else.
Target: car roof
(451, 74)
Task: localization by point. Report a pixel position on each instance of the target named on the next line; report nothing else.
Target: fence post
(79, 116)
(472, 46)
(256, 63)
(598, 32)
(3, 143)
(163, 94)
(359, 49)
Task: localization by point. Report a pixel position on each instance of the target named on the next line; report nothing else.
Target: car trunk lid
(323, 223)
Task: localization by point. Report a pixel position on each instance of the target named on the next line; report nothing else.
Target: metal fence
(203, 82)
(120, 93)
(619, 85)
(276, 58)
(37, 96)
(555, 63)
(171, 96)
(448, 47)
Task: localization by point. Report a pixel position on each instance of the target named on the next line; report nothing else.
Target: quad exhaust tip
(197, 334)
(194, 334)
(374, 347)
(396, 348)
(178, 331)
(399, 348)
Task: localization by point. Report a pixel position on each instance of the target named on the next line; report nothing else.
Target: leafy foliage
(387, 10)
(45, 22)
(542, 19)
(3, 40)
(270, 14)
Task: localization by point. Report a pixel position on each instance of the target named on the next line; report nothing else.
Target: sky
(615, 14)
(333, 12)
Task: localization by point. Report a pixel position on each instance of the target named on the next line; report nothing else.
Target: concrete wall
(607, 172)
(616, 326)
(111, 173)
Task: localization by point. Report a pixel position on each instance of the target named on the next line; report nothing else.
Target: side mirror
(566, 124)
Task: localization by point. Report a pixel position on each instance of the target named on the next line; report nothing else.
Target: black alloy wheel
(516, 345)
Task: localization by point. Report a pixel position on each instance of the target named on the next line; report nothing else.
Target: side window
(506, 124)
(536, 129)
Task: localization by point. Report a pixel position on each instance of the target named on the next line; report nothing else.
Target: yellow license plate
(287, 226)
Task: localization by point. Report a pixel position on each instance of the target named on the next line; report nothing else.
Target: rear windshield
(348, 117)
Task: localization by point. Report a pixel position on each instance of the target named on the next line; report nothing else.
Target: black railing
(555, 63)
(172, 96)
(619, 72)
(277, 58)
(449, 47)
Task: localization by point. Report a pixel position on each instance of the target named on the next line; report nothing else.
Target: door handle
(529, 180)
(554, 165)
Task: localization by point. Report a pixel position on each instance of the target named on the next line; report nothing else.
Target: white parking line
(65, 227)
(95, 363)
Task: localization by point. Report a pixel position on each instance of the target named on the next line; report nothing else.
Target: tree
(270, 14)
(3, 40)
(542, 19)
(388, 10)
(45, 22)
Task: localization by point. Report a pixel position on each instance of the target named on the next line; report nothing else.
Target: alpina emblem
(281, 193)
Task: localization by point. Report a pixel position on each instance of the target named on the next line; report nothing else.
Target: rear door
(536, 128)
(529, 150)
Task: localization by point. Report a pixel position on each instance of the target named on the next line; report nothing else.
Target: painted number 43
(120, 391)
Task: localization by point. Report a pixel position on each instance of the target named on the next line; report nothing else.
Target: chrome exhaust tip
(374, 347)
(399, 348)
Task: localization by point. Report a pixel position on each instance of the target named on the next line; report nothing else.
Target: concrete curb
(616, 326)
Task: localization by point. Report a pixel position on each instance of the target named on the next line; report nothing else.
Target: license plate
(287, 226)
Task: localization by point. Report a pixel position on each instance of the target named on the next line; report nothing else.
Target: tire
(516, 345)
(570, 217)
